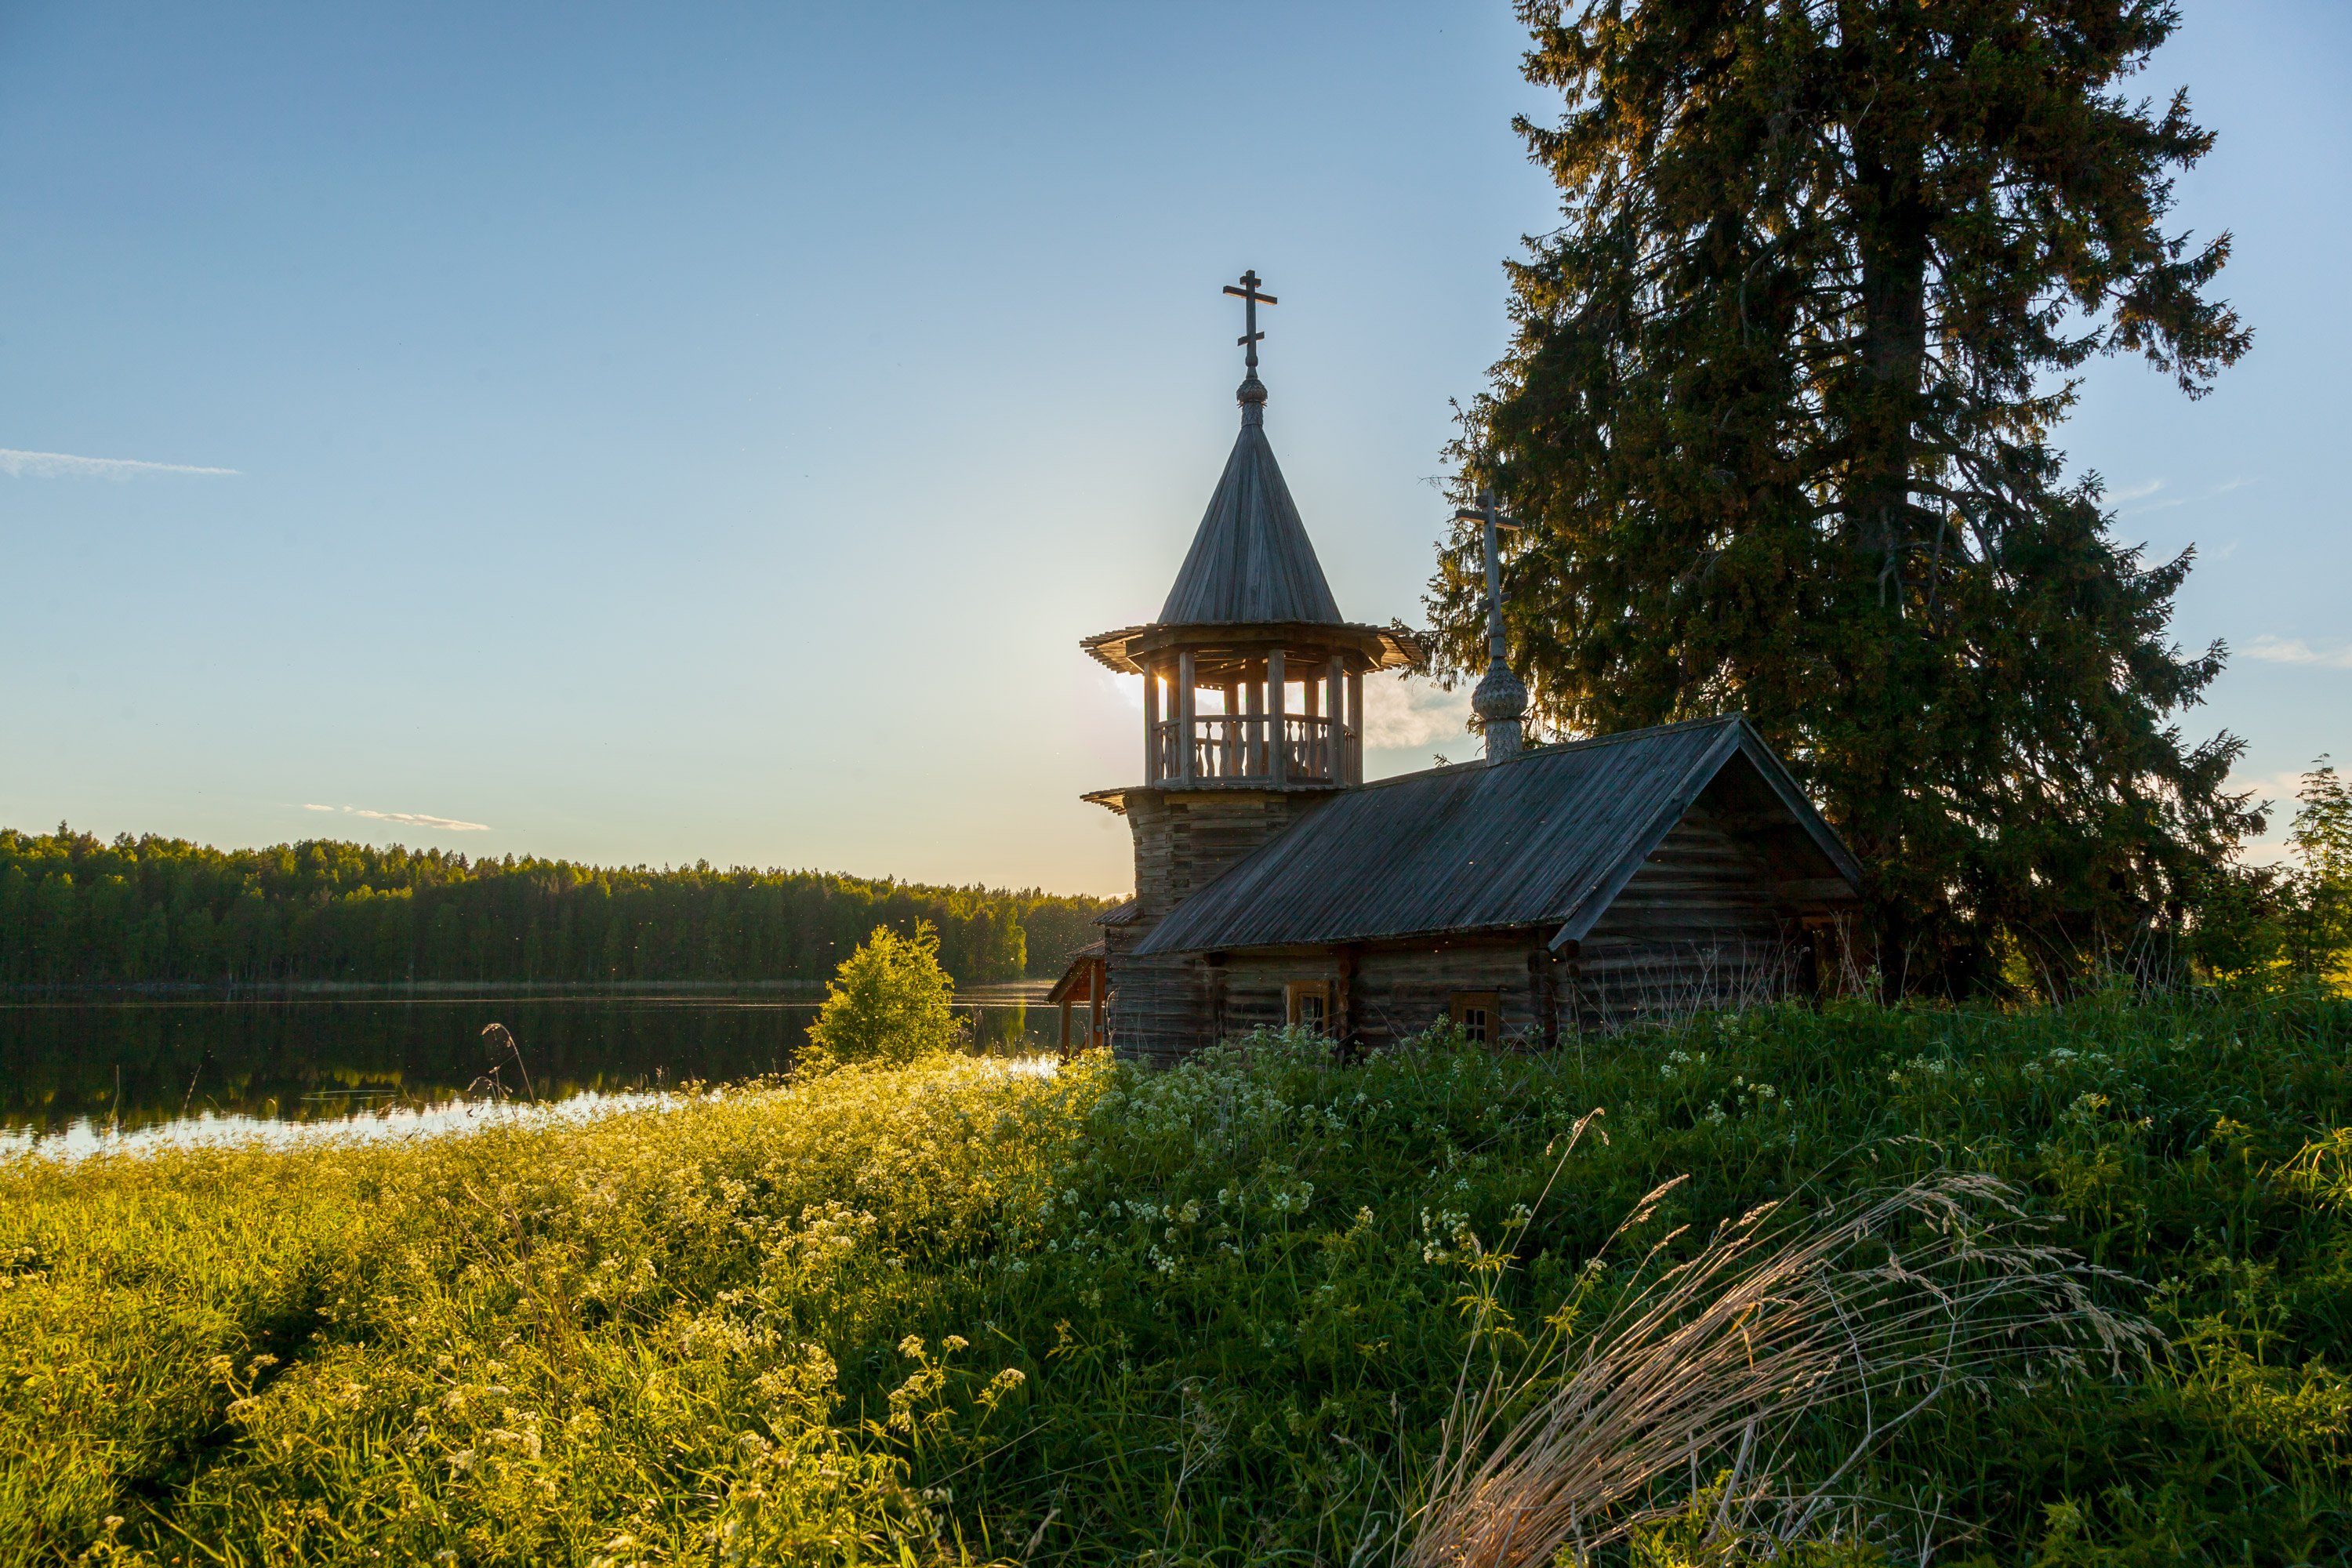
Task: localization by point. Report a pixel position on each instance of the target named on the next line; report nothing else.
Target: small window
(1309, 1005)
(1477, 1013)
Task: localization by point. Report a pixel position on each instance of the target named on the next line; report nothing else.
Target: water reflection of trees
(305, 1058)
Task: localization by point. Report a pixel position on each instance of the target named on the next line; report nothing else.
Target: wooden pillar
(1253, 732)
(1336, 676)
(1151, 772)
(1184, 717)
(1095, 982)
(1065, 1025)
(1310, 694)
(1276, 698)
(1356, 727)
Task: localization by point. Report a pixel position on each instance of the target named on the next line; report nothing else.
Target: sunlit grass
(1216, 1315)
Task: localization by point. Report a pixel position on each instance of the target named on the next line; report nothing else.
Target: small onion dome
(1501, 696)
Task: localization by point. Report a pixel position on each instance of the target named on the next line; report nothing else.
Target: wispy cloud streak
(65, 465)
(2295, 650)
(410, 818)
(2141, 492)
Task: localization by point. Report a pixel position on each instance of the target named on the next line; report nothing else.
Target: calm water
(75, 1070)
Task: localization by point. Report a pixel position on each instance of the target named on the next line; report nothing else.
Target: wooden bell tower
(1252, 713)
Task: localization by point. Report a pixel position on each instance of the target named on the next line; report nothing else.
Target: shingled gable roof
(1547, 840)
(1251, 562)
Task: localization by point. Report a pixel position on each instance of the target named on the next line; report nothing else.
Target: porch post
(1275, 696)
(1254, 738)
(1310, 694)
(1151, 773)
(1336, 677)
(1184, 716)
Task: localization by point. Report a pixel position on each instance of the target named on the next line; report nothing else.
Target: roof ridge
(1554, 748)
(1616, 736)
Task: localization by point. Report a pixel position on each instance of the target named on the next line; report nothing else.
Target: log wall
(1700, 926)
(1383, 993)
(1162, 1007)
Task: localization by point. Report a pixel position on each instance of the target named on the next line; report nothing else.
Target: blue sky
(662, 433)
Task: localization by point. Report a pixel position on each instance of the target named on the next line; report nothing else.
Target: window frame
(1296, 992)
(1489, 1002)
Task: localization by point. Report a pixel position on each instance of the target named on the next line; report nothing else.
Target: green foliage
(1776, 419)
(1691, 1539)
(2291, 924)
(890, 1005)
(1097, 1314)
(1056, 926)
(2317, 895)
(75, 910)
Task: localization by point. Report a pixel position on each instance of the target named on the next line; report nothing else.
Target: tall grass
(1217, 1314)
(1743, 1360)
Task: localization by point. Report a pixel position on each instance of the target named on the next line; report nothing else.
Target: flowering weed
(960, 1312)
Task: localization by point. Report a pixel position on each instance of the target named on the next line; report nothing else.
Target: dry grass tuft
(1826, 1334)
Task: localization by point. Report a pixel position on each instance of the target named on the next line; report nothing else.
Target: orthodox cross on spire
(1253, 391)
(1501, 700)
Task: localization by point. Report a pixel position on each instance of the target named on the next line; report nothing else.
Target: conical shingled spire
(1251, 562)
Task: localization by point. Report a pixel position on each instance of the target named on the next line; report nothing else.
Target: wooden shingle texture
(1251, 561)
(1548, 840)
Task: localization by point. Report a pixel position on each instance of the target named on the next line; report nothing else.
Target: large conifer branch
(1777, 405)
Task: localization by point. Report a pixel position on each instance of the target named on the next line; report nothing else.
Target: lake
(76, 1068)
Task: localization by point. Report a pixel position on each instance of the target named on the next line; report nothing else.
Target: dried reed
(1823, 1336)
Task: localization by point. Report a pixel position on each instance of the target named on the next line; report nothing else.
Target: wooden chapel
(1541, 890)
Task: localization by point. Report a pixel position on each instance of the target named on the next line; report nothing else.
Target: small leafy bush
(890, 1004)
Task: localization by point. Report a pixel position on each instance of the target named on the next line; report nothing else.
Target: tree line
(75, 910)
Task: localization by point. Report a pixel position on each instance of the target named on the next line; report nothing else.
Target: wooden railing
(1242, 748)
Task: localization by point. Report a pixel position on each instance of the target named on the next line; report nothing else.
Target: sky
(653, 434)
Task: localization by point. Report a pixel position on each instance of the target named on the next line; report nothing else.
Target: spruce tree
(1777, 421)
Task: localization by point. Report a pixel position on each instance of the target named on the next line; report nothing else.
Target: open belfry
(1542, 889)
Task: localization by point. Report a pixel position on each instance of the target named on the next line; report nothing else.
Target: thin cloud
(2295, 650)
(413, 819)
(2141, 492)
(1405, 714)
(66, 465)
(407, 818)
(2273, 787)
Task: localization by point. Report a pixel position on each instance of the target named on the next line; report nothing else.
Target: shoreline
(998, 993)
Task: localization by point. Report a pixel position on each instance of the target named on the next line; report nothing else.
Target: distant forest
(75, 910)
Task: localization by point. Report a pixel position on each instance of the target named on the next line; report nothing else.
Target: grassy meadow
(976, 1310)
